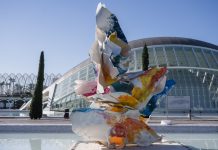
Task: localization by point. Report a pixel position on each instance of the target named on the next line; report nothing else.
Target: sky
(65, 29)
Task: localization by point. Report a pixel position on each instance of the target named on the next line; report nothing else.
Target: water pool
(195, 140)
(37, 141)
(63, 141)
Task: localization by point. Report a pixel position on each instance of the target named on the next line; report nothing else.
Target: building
(17, 89)
(193, 64)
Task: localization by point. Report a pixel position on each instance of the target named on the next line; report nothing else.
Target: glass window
(210, 58)
(160, 56)
(91, 73)
(215, 56)
(171, 56)
(68, 98)
(71, 84)
(151, 57)
(65, 86)
(200, 57)
(82, 73)
(190, 56)
(57, 93)
(181, 56)
(74, 77)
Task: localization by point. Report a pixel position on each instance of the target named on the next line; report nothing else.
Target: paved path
(61, 125)
(62, 121)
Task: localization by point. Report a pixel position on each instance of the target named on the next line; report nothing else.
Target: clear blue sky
(65, 29)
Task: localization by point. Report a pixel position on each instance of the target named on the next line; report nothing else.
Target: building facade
(17, 89)
(193, 64)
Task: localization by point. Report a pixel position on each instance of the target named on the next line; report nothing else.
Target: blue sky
(65, 29)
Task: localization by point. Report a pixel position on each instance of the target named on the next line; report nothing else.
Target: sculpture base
(164, 145)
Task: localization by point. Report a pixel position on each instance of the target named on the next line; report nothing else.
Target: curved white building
(193, 64)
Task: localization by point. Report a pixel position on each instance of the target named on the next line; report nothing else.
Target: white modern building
(193, 64)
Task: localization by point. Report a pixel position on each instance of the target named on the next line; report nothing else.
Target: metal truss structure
(16, 89)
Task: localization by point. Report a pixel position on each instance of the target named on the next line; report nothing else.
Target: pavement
(62, 121)
(61, 125)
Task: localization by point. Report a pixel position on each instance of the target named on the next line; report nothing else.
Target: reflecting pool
(37, 141)
(195, 141)
(64, 141)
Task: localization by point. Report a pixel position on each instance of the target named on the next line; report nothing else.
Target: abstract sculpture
(121, 102)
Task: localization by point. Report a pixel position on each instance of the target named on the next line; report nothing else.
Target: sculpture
(121, 102)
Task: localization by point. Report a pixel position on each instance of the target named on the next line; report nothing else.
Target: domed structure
(193, 64)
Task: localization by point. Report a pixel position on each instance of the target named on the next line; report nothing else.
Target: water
(195, 141)
(63, 141)
(37, 141)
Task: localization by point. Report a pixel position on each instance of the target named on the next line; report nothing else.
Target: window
(200, 57)
(152, 61)
(181, 56)
(82, 73)
(210, 58)
(190, 56)
(215, 54)
(91, 73)
(138, 59)
(160, 56)
(171, 56)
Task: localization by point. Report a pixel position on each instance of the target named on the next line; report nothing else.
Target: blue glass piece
(116, 27)
(152, 103)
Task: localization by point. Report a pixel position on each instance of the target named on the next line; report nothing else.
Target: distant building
(193, 64)
(16, 89)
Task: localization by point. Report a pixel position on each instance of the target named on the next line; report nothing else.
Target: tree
(145, 58)
(36, 103)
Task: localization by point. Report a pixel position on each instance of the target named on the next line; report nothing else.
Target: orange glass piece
(117, 141)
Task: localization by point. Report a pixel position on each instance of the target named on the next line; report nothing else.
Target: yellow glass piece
(128, 100)
(124, 46)
(148, 81)
(117, 109)
(106, 73)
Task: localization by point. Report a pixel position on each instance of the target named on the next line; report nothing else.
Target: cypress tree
(145, 58)
(36, 103)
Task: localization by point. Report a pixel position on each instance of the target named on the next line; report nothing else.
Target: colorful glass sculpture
(121, 101)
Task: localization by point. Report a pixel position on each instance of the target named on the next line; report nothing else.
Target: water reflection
(35, 144)
(37, 141)
(63, 141)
